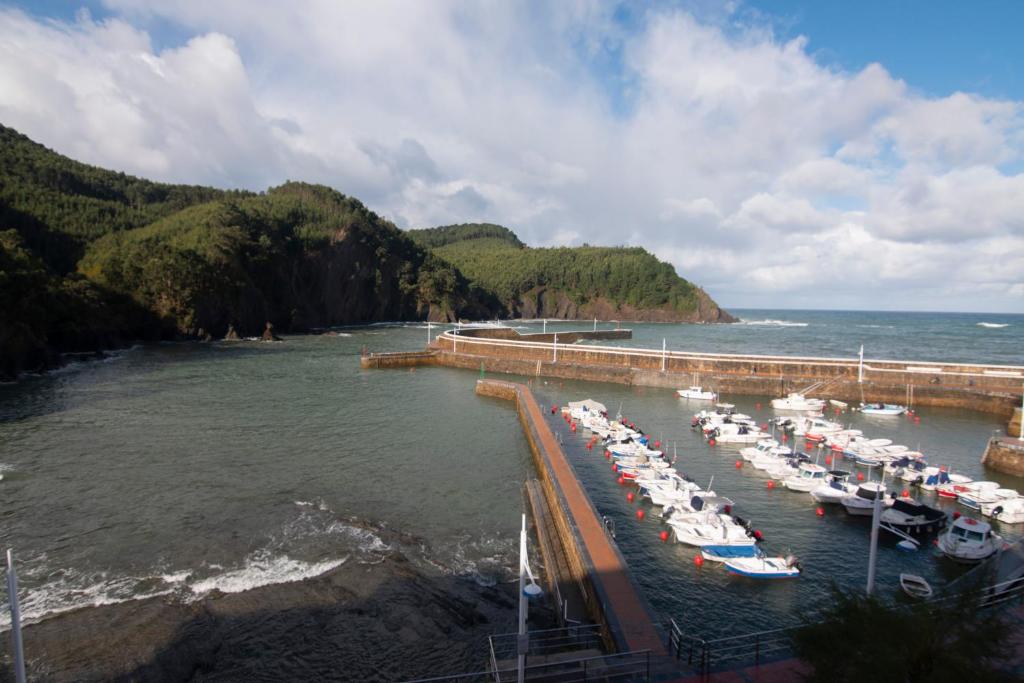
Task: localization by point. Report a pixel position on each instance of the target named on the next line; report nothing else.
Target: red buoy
(917, 419)
(629, 496)
(711, 442)
(828, 459)
(698, 560)
(956, 515)
(590, 445)
(608, 455)
(728, 509)
(640, 514)
(771, 484)
(622, 480)
(808, 445)
(663, 536)
(554, 409)
(820, 512)
(764, 427)
(784, 438)
(574, 426)
(905, 493)
(860, 476)
(739, 464)
(657, 444)
(758, 535)
(757, 406)
(615, 467)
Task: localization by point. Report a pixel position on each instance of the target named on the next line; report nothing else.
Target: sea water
(191, 467)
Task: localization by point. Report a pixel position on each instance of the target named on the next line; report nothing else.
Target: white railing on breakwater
(973, 370)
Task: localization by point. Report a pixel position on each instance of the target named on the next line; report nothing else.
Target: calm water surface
(187, 467)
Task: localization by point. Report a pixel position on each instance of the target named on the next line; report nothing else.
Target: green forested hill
(91, 259)
(574, 282)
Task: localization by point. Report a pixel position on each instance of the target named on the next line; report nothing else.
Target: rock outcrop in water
(386, 621)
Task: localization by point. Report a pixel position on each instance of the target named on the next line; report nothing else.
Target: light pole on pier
(554, 349)
(860, 366)
(876, 514)
(12, 595)
(525, 592)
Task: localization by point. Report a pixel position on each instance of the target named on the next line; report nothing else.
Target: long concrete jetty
(594, 559)
(989, 388)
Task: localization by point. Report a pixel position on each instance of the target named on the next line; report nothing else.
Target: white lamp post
(526, 592)
(12, 594)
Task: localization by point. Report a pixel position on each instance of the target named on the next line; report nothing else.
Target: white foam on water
(773, 323)
(994, 325)
(344, 334)
(261, 569)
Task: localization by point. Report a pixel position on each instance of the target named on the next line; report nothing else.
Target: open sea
(184, 468)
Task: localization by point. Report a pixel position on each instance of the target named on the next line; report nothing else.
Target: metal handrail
(732, 357)
(759, 644)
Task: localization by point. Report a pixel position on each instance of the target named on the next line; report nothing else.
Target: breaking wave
(772, 323)
(994, 325)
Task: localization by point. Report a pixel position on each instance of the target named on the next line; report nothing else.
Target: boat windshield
(959, 532)
(975, 536)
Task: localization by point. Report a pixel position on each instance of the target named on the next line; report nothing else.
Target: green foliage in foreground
(624, 275)
(862, 639)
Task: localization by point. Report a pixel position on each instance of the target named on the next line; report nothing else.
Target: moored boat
(915, 586)
(969, 540)
(882, 409)
(764, 567)
(697, 393)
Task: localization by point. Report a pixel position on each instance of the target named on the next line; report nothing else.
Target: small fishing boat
(724, 553)
(736, 433)
(696, 393)
(764, 567)
(764, 447)
(581, 409)
(882, 409)
(915, 586)
(842, 405)
(969, 540)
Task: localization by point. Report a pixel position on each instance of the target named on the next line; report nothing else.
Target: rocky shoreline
(384, 621)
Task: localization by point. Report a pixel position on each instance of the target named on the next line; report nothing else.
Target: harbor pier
(994, 389)
(590, 554)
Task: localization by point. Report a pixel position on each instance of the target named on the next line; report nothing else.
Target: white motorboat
(710, 529)
(581, 409)
(977, 493)
(808, 477)
(816, 428)
(763, 567)
(1001, 496)
(933, 482)
(1010, 511)
(769, 462)
(969, 540)
(696, 393)
(882, 409)
(736, 433)
(915, 586)
(912, 517)
(862, 503)
(679, 491)
(785, 468)
(835, 488)
(700, 501)
(763, 447)
(799, 404)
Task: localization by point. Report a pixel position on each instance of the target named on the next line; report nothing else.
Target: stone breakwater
(987, 388)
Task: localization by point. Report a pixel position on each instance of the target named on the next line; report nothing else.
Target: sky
(780, 154)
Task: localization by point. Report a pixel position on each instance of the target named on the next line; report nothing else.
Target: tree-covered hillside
(624, 282)
(91, 259)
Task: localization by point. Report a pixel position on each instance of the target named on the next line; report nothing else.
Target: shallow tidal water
(185, 468)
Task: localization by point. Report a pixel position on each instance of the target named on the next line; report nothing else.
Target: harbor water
(179, 469)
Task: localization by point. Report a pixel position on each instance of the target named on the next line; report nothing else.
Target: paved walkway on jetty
(622, 603)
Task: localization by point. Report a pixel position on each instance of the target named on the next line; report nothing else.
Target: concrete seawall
(594, 560)
(987, 388)
(1005, 454)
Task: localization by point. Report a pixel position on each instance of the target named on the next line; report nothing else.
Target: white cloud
(761, 174)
